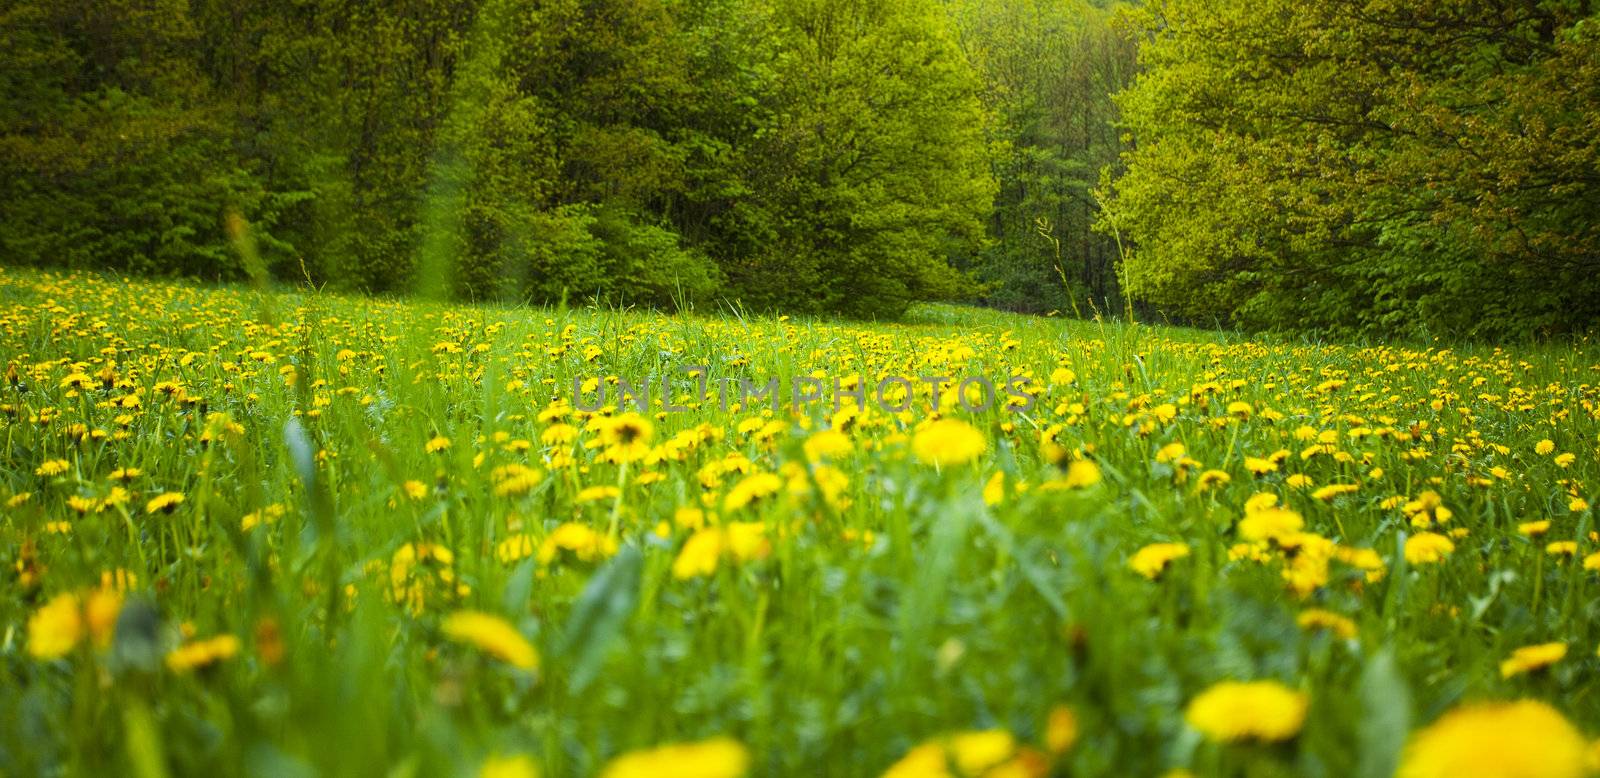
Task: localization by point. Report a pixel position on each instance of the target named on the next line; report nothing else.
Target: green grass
(833, 655)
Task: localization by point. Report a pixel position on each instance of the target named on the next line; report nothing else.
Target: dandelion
(100, 613)
(827, 443)
(715, 758)
(202, 653)
(53, 467)
(1562, 548)
(948, 442)
(742, 540)
(1530, 658)
(978, 753)
(751, 489)
(1533, 529)
(1060, 730)
(1234, 711)
(166, 502)
(700, 554)
(518, 766)
(994, 490)
(579, 540)
(1426, 548)
(1524, 739)
(56, 627)
(1081, 474)
(1260, 466)
(596, 494)
(517, 480)
(1270, 524)
(1544, 447)
(1318, 619)
(1327, 493)
(626, 437)
(437, 444)
(1565, 460)
(1152, 560)
(493, 636)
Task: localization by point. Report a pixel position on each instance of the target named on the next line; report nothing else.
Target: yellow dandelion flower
(581, 541)
(416, 490)
(751, 489)
(202, 653)
(514, 548)
(827, 443)
(493, 636)
(100, 613)
(700, 554)
(1270, 524)
(1530, 658)
(1081, 473)
(948, 442)
(166, 502)
(1258, 710)
(715, 758)
(626, 437)
(1524, 739)
(53, 467)
(56, 627)
(1260, 466)
(596, 493)
(1060, 730)
(1428, 548)
(994, 490)
(1152, 560)
(1212, 478)
(1327, 493)
(1317, 619)
(517, 766)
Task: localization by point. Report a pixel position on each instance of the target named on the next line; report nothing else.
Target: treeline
(1425, 167)
(1428, 167)
(848, 156)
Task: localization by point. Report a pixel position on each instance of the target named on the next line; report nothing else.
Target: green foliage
(1049, 68)
(1416, 167)
(823, 156)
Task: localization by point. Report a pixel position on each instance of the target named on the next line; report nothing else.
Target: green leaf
(599, 616)
(1386, 716)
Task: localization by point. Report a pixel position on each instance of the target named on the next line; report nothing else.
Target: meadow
(291, 533)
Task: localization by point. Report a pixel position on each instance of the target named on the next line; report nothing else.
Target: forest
(1351, 166)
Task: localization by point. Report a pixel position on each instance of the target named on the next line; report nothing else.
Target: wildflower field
(251, 532)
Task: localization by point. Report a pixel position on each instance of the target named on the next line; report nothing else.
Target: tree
(1415, 167)
(872, 171)
(1049, 68)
